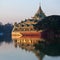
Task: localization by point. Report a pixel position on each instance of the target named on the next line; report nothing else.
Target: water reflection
(34, 44)
(27, 40)
(6, 39)
(27, 43)
(40, 47)
(51, 48)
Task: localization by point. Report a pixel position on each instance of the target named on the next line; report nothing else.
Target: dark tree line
(6, 30)
(50, 22)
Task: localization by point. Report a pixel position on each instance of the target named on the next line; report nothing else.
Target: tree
(50, 22)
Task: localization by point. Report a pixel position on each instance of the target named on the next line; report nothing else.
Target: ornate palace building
(26, 27)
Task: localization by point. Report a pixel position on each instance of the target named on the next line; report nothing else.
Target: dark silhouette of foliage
(50, 22)
(6, 30)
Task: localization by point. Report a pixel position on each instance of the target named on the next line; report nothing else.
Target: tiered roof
(28, 23)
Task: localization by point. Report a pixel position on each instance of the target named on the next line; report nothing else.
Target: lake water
(20, 50)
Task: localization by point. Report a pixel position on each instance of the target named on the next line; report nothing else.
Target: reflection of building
(27, 40)
(28, 25)
(27, 43)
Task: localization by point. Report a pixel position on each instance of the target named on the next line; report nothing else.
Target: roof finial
(40, 4)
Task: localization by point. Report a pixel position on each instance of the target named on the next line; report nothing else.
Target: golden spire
(39, 13)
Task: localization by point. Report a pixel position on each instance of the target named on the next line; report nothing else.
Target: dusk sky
(17, 10)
